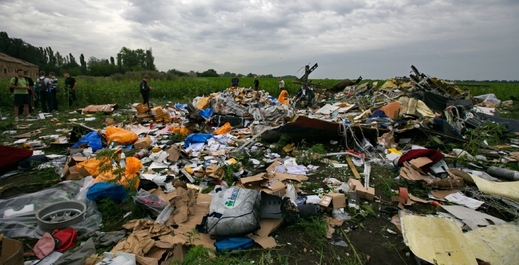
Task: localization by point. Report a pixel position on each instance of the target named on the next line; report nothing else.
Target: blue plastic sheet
(181, 106)
(206, 113)
(196, 138)
(92, 139)
(115, 192)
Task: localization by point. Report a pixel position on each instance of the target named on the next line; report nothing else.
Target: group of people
(304, 95)
(28, 92)
(235, 82)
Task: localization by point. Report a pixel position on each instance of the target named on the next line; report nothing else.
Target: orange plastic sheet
(392, 109)
(180, 130)
(121, 136)
(129, 177)
(223, 129)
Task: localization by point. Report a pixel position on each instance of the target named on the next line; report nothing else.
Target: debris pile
(204, 178)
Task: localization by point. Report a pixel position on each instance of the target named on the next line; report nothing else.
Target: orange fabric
(121, 136)
(180, 130)
(223, 129)
(283, 97)
(130, 176)
(392, 109)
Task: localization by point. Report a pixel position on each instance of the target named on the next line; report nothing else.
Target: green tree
(209, 73)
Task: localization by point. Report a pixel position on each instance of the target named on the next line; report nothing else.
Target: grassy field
(103, 90)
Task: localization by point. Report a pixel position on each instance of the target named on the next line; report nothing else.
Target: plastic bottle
(122, 161)
(141, 154)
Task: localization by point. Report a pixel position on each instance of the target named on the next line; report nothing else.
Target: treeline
(127, 60)
(49, 60)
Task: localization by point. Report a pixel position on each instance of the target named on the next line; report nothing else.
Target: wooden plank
(352, 166)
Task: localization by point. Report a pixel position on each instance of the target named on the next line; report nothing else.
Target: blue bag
(196, 138)
(92, 139)
(113, 191)
(206, 113)
(234, 243)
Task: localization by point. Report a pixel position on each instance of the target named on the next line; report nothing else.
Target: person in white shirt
(281, 84)
(43, 86)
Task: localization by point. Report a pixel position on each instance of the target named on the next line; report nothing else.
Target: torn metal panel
(496, 244)
(473, 219)
(436, 240)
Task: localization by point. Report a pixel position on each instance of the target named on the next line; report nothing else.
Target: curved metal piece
(60, 215)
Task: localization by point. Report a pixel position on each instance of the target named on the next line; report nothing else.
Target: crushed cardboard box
(356, 185)
(70, 171)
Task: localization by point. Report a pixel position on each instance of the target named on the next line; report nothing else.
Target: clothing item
(281, 84)
(21, 99)
(47, 103)
(21, 82)
(144, 88)
(235, 81)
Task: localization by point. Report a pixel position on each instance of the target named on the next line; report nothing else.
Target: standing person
(145, 91)
(256, 83)
(235, 82)
(43, 85)
(70, 86)
(54, 90)
(32, 97)
(21, 94)
(281, 84)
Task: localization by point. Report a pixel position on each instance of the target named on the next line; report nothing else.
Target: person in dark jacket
(145, 90)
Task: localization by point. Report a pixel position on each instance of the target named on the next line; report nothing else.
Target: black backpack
(15, 83)
(40, 85)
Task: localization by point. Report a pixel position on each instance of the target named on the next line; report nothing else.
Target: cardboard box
(356, 185)
(252, 182)
(337, 200)
(157, 111)
(70, 171)
(12, 252)
(141, 108)
(142, 143)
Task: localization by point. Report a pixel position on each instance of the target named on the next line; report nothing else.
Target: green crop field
(103, 90)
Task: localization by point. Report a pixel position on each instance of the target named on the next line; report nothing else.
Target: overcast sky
(457, 39)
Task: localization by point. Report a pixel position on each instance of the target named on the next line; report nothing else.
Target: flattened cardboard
(12, 252)
(200, 209)
(252, 182)
(107, 108)
(285, 176)
(174, 152)
(268, 225)
(265, 242)
(419, 162)
(142, 143)
(272, 168)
